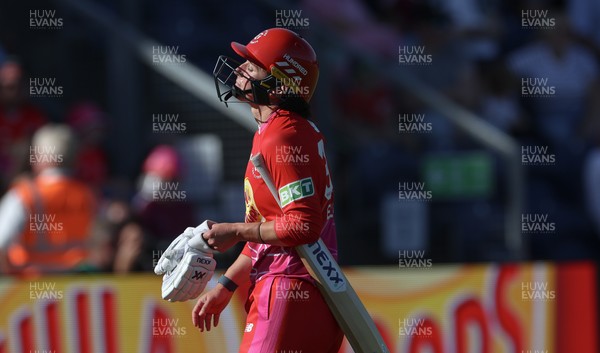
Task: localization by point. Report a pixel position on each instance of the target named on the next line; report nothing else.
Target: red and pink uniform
(294, 154)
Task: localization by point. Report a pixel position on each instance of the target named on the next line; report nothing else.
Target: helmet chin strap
(259, 88)
(240, 94)
(237, 93)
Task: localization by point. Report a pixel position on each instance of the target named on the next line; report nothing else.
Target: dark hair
(296, 105)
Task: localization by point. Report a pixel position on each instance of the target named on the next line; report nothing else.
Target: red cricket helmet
(289, 58)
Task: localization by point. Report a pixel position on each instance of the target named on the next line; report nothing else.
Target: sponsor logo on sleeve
(296, 190)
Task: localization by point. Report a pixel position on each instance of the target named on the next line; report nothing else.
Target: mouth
(241, 94)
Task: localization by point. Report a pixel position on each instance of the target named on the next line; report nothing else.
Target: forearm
(239, 271)
(250, 232)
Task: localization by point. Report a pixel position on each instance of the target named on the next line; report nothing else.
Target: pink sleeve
(246, 250)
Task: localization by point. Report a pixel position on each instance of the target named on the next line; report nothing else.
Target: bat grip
(259, 164)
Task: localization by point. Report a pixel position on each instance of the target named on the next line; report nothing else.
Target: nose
(240, 69)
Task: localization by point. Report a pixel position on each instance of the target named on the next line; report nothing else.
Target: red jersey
(294, 153)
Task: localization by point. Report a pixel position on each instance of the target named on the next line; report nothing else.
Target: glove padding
(187, 265)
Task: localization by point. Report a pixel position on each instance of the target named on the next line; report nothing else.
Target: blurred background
(384, 65)
(468, 130)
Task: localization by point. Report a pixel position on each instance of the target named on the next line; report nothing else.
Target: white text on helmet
(295, 64)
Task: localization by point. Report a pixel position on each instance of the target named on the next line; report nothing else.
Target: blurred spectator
(477, 24)
(364, 98)
(591, 167)
(160, 204)
(584, 16)
(499, 103)
(129, 251)
(120, 243)
(18, 121)
(46, 221)
(102, 241)
(451, 73)
(87, 120)
(556, 61)
(357, 25)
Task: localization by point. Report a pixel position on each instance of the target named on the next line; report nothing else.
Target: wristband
(227, 283)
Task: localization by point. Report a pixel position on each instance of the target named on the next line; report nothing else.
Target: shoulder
(290, 128)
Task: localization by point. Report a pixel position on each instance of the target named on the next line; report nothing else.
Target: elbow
(312, 235)
(297, 233)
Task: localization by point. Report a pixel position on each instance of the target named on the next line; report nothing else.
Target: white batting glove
(174, 253)
(187, 265)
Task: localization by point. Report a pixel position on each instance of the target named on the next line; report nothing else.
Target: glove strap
(227, 283)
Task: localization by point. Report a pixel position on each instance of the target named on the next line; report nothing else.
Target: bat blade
(344, 303)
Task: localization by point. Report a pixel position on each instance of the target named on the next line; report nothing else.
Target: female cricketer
(286, 312)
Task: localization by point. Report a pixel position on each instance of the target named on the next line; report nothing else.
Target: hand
(187, 265)
(221, 236)
(209, 306)
(174, 253)
(189, 278)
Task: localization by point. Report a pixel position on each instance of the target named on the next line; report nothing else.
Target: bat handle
(259, 164)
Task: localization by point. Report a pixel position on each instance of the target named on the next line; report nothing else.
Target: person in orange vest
(46, 221)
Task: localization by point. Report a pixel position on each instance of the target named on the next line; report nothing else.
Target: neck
(262, 113)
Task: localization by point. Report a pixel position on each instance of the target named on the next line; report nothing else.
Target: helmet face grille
(270, 90)
(225, 76)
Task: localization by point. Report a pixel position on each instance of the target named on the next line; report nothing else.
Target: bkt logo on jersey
(296, 190)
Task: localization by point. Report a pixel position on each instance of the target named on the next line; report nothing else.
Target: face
(248, 70)
(10, 83)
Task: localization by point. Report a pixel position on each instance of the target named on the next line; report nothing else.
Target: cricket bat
(345, 305)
